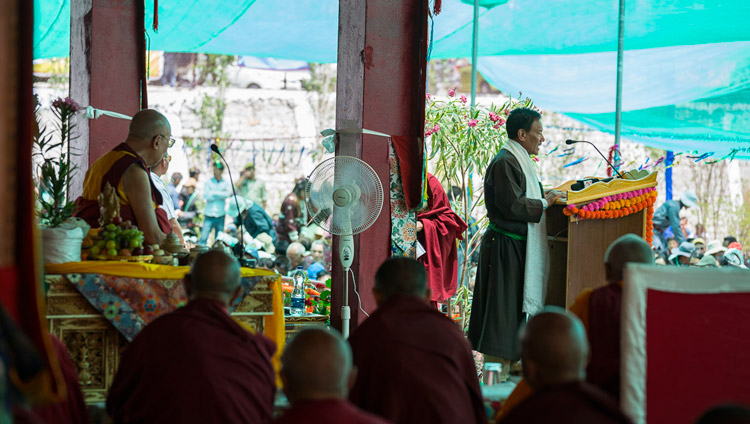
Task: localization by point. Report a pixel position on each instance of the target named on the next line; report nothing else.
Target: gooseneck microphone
(599, 151)
(241, 255)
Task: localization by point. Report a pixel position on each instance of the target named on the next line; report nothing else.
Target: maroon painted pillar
(380, 87)
(106, 69)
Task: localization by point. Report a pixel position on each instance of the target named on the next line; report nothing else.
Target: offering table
(96, 308)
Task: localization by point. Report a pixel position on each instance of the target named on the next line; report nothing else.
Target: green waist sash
(514, 236)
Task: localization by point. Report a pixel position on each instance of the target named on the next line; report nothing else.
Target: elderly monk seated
(126, 169)
(317, 374)
(414, 364)
(554, 351)
(599, 310)
(196, 364)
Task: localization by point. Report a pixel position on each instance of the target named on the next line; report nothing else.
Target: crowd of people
(676, 243)
(407, 362)
(282, 241)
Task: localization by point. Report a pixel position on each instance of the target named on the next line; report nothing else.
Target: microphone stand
(241, 255)
(598, 151)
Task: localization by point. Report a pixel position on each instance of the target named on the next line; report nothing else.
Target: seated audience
(554, 352)
(733, 258)
(729, 240)
(683, 254)
(282, 265)
(71, 409)
(725, 414)
(296, 254)
(318, 251)
(317, 373)
(599, 311)
(313, 271)
(707, 261)
(716, 249)
(414, 364)
(196, 364)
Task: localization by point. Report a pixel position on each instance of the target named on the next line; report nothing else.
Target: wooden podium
(577, 246)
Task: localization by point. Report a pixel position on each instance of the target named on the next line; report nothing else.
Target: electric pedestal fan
(344, 196)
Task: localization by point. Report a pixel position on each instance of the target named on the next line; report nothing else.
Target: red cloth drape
(442, 227)
(410, 153)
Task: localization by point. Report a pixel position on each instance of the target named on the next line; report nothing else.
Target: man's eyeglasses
(171, 140)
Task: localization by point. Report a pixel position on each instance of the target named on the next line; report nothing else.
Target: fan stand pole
(346, 312)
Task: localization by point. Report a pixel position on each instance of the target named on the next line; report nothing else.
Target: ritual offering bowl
(163, 260)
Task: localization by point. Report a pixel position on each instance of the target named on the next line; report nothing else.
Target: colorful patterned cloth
(132, 303)
(403, 221)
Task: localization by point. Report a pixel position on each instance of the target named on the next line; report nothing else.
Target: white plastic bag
(62, 245)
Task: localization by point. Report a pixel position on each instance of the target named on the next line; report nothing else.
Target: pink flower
(507, 112)
(427, 96)
(435, 129)
(472, 123)
(428, 132)
(463, 99)
(497, 126)
(66, 105)
(494, 117)
(501, 122)
(451, 92)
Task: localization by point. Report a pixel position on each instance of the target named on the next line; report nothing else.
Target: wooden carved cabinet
(95, 345)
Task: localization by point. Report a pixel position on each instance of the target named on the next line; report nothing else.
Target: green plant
(322, 304)
(55, 170)
(463, 142)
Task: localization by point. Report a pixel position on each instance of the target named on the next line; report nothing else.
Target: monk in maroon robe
(414, 365)
(599, 311)
(125, 168)
(317, 374)
(72, 409)
(196, 364)
(438, 228)
(554, 351)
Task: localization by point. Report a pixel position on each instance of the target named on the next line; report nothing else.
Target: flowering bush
(463, 141)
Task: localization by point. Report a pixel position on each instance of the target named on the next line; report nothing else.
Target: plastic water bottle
(298, 294)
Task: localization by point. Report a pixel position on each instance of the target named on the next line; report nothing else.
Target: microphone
(569, 142)
(241, 255)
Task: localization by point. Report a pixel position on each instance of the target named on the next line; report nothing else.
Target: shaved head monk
(554, 351)
(414, 364)
(196, 364)
(126, 169)
(317, 373)
(599, 311)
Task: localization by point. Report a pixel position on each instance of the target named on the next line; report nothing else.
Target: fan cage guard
(339, 171)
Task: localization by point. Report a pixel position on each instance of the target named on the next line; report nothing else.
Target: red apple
(117, 220)
(125, 252)
(138, 251)
(148, 250)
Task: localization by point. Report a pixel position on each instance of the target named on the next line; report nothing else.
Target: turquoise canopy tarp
(686, 61)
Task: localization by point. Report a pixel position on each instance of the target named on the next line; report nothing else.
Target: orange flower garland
(613, 207)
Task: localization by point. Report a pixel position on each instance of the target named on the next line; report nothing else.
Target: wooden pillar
(20, 284)
(380, 87)
(106, 69)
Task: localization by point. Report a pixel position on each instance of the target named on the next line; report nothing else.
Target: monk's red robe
(72, 409)
(414, 366)
(442, 227)
(328, 411)
(109, 169)
(194, 365)
(570, 403)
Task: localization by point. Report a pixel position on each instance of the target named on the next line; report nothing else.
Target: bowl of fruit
(118, 241)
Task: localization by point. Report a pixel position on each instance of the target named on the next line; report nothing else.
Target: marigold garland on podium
(582, 227)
